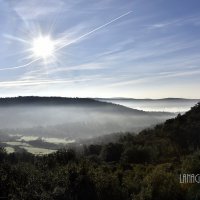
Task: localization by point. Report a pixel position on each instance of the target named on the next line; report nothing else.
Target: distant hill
(35, 100)
(148, 99)
(71, 117)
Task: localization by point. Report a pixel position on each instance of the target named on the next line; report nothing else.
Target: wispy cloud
(18, 83)
(29, 10)
(101, 46)
(190, 20)
(154, 77)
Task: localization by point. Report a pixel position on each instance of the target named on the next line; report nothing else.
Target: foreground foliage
(140, 167)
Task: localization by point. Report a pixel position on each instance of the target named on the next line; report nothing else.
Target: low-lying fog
(43, 128)
(74, 122)
(158, 105)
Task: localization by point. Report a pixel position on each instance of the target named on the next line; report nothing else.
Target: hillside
(184, 130)
(71, 117)
(143, 166)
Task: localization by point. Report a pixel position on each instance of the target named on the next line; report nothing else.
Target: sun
(43, 47)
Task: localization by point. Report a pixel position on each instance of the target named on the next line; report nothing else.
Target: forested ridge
(145, 166)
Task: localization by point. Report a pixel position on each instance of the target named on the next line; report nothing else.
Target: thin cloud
(29, 10)
(190, 20)
(38, 82)
(154, 77)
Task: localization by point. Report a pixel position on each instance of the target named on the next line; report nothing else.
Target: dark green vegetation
(141, 167)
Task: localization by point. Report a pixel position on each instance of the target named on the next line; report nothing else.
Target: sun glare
(43, 47)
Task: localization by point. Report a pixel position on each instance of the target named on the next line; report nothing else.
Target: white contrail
(73, 41)
(96, 29)
(39, 82)
(20, 66)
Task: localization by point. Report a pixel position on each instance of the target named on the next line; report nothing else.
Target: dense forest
(144, 166)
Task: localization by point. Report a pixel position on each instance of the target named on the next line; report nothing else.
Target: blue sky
(109, 48)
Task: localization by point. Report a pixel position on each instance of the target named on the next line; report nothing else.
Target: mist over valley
(53, 122)
(175, 105)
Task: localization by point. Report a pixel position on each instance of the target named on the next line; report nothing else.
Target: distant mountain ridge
(149, 99)
(64, 101)
(44, 100)
(72, 117)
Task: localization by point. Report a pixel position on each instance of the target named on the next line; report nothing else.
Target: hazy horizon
(99, 97)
